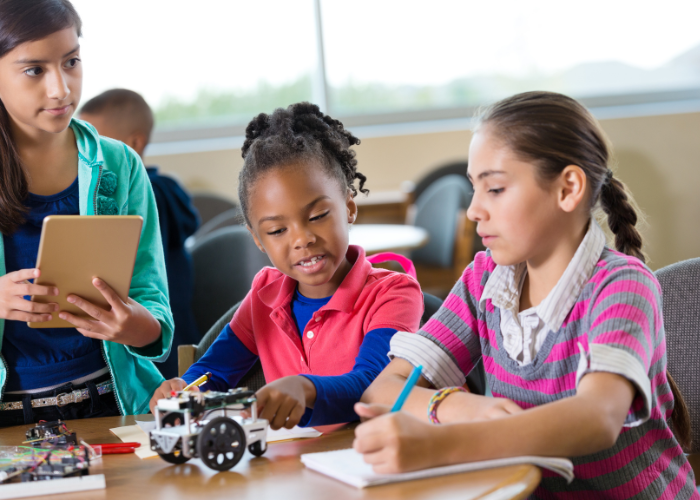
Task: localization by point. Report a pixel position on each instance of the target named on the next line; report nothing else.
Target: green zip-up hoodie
(133, 372)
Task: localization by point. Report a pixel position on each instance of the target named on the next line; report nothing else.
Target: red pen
(117, 445)
(117, 451)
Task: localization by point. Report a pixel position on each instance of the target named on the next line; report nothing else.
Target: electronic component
(208, 426)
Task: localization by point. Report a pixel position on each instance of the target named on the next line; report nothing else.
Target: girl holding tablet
(52, 164)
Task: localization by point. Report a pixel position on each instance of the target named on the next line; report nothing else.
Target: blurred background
(406, 77)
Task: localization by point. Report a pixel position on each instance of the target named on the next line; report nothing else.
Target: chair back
(680, 284)
(456, 168)
(225, 263)
(437, 210)
(231, 217)
(255, 378)
(210, 205)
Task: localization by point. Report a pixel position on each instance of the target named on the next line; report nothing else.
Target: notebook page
(349, 467)
(295, 432)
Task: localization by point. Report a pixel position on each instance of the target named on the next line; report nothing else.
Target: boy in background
(124, 115)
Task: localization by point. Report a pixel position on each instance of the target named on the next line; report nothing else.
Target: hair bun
(255, 129)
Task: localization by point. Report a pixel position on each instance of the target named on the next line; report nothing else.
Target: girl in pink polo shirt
(321, 320)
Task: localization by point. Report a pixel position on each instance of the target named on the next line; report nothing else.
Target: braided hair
(299, 133)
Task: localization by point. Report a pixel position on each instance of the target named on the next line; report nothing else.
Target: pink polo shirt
(367, 299)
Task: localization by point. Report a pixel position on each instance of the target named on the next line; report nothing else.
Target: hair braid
(622, 217)
(300, 132)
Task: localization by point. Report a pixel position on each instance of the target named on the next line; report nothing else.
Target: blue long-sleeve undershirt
(228, 360)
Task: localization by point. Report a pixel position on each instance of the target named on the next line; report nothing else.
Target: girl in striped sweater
(570, 331)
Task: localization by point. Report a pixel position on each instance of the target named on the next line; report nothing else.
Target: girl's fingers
(92, 335)
(82, 323)
(365, 411)
(29, 317)
(25, 289)
(96, 312)
(110, 295)
(368, 441)
(33, 307)
(282, 413)
(23, 274)
(295, 417)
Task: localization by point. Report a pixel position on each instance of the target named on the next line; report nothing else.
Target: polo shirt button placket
(310, 334)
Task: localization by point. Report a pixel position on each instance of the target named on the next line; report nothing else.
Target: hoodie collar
(88, 142)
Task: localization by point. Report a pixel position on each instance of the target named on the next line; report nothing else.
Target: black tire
(257, 448)
(175, 457)
(221, 444)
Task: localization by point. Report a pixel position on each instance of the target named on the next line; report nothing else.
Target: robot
(51, 433)
(208, 426)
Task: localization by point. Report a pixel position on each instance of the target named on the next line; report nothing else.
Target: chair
(187, 355)
(225, 263)
(456, 168)
(441, 210)
(210, 205)
(680, 284)
(231, 217)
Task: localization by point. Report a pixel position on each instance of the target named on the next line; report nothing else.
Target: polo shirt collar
(279, 293)
(504, 285)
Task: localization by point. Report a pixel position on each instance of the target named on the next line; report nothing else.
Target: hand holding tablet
(90, 261)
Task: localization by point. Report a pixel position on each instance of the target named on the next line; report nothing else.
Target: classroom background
(406, 77)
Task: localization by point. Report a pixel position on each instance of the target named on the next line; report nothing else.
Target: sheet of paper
(294, 433)
(348, 466)
(133, 433)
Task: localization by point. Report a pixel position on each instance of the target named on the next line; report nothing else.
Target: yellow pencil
(200, 381)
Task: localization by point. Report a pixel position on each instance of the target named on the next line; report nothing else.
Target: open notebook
(347, 466)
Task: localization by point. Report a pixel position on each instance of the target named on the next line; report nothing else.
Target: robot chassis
(208, 426)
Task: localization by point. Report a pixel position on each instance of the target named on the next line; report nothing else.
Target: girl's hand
(284, 401)
(465, 407)
(127, 323)
(166, 389)
(13, 305)
(396, 442)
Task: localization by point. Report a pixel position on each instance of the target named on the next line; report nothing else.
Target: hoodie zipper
(97, 188)
(102, 346)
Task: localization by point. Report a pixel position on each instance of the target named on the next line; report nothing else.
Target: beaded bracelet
(437, 399)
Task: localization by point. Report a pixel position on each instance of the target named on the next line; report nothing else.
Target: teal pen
(410, 382)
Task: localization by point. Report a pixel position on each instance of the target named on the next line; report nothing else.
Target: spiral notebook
(349, 467)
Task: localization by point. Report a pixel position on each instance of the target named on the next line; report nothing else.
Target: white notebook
(349, 467)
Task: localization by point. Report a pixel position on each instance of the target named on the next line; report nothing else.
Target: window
(204, 63)
(213, 64)
(395, 55)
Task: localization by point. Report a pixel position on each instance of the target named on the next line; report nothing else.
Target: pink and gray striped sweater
(615, 325)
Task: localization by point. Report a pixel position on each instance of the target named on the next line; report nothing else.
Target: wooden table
(387, 237)
(277, 475)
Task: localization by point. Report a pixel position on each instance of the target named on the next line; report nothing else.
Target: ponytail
(680, 417)
(13, 181)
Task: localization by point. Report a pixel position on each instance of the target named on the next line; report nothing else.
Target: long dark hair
(298, 132)
(23, 21)
(553, 131)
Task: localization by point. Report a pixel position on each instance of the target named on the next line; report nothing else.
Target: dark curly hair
(299, 133)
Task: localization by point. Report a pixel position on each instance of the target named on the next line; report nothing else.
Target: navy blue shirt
(228, 360)
(41, 357)
(178, 221)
